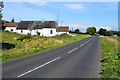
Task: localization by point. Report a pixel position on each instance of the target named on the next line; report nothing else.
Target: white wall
(43, 32)
(9, 29)
(23, 31)
(47, 32)
(59, 33)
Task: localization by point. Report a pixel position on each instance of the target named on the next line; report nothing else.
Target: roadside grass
(9, 37)
(110, 57)
(69, 39)
(34, 45)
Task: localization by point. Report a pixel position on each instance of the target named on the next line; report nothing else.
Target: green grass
(34, 45)
(8, 37)
(110, 58)
(69, 39)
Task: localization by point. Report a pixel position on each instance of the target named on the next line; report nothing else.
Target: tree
(77, 31)
(108, 33)
(70, 31)
(102, 32)
(13, 20)
(91, 30)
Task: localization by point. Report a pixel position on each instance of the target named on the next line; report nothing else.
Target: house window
(21, 31)
(11, 29)
(51, 32)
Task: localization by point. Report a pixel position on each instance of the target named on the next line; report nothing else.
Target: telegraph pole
(72, 28)
(57, 22)
(1, 12)
(61, 23)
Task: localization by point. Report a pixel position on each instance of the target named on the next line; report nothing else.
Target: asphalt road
(76, 60)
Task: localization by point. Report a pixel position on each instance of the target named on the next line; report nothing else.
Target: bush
(38, 33)
(25, 37)
(7, 46)
(64, 35)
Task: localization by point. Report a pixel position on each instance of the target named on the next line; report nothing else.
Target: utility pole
(1, 12)
(61, 23)
(57, 22)
(72, 28)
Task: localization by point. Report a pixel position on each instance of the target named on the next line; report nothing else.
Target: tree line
(92, 31)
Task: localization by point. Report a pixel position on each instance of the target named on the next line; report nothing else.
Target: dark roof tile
(32, 25)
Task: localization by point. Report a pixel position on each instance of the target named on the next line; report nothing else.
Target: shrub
(38, 33)
(110, 58)
(25, 37)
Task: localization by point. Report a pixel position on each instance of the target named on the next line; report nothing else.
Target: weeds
(110, 58)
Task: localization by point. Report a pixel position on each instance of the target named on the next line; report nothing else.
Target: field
(110, 57)
(19, 45)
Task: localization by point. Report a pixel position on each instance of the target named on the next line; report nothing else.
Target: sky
(74, 14)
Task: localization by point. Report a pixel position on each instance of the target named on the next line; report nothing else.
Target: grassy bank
(32, 44)
(110, 58)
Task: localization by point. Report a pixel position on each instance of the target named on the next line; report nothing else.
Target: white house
(10, 26)
(42, 28)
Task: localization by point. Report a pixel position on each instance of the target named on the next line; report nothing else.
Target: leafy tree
(13, 20)
(7, 21)
(115, 33)
(102, 32)
(108, 33)
(119, 33)
(91, 30)
(70, 31)
(77, 31)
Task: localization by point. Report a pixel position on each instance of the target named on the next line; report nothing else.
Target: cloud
(75, 26)
(105, 27)
(38, 3)
(35, 2)
(78, 26)
(14, 10)
(75, 6)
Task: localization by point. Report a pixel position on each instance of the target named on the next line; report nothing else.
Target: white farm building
(42, 28)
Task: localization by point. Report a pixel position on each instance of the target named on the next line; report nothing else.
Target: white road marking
(39, 67)
(86, 42)
(72, 50)
(90, 38)
(82, 45)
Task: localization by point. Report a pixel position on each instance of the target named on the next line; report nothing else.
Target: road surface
(76, 60)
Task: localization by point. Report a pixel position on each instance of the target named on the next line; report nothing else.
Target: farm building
(42, 28)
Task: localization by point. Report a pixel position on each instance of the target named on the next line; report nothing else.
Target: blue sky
(75, 14)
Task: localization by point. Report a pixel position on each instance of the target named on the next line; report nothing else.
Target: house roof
(32, 25)
(10, 24)
(63, 29)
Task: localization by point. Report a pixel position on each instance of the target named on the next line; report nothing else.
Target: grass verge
(110, 58)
